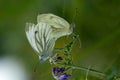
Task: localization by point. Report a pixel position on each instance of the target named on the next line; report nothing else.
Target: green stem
(85, 69)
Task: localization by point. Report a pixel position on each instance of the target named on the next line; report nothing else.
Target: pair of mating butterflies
(43, 35)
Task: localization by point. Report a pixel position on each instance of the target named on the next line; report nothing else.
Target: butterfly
(43, 35)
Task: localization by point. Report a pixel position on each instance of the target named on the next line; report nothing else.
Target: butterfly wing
(60, 26)
(43, 41)
(30, 33)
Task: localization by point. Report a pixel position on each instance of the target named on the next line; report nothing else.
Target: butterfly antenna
(73, 25)
(63, 9)
(36, 66)
(73, 18)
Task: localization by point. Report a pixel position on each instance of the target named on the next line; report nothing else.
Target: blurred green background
(97, 23)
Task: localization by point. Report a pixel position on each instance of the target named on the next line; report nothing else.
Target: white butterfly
(43, 35)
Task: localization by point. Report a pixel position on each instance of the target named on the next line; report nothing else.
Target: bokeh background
(97, 23)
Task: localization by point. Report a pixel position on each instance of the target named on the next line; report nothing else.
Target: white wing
(41, 39)
(60, 26)
(30, 33)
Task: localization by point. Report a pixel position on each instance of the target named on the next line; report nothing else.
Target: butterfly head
(72, 25)
(43, 58)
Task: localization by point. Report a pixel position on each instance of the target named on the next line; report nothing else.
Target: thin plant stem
(84, 69)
